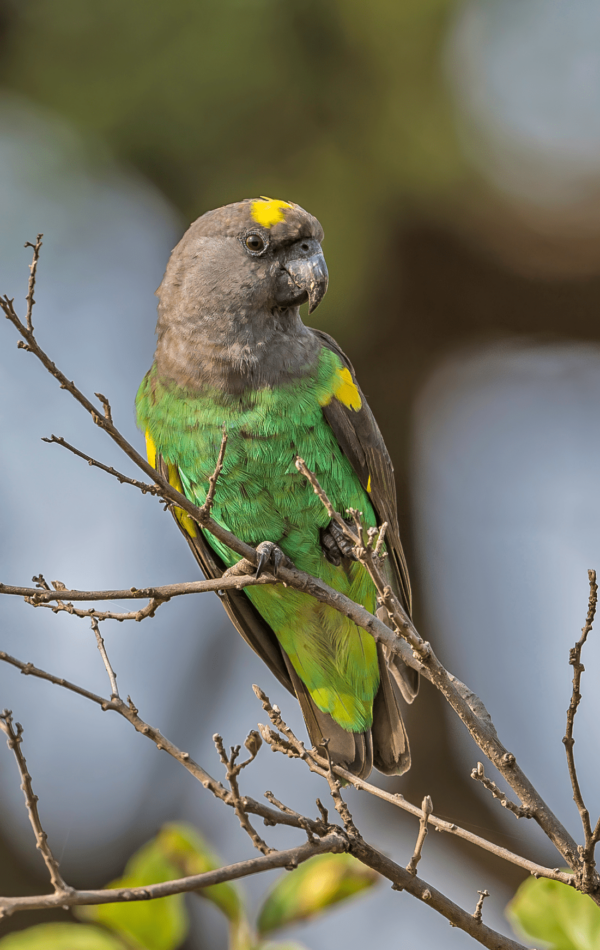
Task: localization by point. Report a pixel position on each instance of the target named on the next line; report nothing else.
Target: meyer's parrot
(234, 354)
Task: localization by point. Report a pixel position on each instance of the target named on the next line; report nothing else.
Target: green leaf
(61, 937)
(177, 851)
(152, 925)
(311, 888)
(279, 946)
(556, 914)
(188, 850)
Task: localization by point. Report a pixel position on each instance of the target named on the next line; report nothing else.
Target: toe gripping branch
(270, 558)
(335, 544)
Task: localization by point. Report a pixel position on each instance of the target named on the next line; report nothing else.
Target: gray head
(228, 304)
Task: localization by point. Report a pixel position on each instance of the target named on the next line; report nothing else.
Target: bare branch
(148, 611)
(111, 673)
(333, 514)
(427, 808)
(231, 581)
(129, 712)
(212, 482)
(123, 479)
(400, 878)
(335, 791)
(233, 769)
(333, 843)
(32, 275)
(519, 811)
(106, 407)
(588, 869)
(403, 881)
(294, 748)
(14, 734)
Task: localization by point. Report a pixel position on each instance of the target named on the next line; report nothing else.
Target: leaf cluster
(179, 850)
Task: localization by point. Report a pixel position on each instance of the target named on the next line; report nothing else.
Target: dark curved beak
(310, 275)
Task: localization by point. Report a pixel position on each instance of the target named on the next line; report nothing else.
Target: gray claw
(269, 555)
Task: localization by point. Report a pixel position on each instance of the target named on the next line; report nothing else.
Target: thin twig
(148, 611)
(335, 791)
(426, 809)
(31, 283)
(233, 769)
(293, 747)
(478, 914)
(123, 479)
(210, 497)
(519, 811)
(129, 712)
(105, 406)
(14, 734)
(587, 873)
(111, 673)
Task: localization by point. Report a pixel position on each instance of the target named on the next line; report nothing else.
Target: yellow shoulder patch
(150, 449)
(345, 391)
(183, 518)
(369, 485)
(269, 211)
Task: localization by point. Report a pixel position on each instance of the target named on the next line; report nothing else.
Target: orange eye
(255, 243)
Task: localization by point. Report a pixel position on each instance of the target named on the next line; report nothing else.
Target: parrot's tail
(384, 746)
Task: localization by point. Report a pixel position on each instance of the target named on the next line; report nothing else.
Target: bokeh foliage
(558, 916)
(178, 850)
(336, 105)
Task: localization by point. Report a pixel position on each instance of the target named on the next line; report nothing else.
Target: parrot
(234, 355)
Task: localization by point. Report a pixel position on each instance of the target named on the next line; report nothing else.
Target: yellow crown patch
(269, 211)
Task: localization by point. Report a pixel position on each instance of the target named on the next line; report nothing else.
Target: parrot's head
(247, 259)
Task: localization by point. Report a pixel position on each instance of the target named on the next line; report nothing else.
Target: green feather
(262, 497)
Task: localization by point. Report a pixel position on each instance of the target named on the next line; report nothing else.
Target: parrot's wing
(242, 613)
(361, 441)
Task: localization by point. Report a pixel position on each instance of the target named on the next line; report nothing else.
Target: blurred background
(451, 151)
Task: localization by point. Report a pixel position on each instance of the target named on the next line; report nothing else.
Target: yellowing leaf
(188, 850)
(556, 914)
(61, 937)
(152, 925)
(311, 888)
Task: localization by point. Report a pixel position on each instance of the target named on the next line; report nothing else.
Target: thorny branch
(403, 640)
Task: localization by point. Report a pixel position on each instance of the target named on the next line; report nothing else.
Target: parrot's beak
(310, 275)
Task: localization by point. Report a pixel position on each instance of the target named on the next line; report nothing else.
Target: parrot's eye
(255, 243)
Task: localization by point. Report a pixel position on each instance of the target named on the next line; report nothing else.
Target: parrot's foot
(335, 544)
(270, 558)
